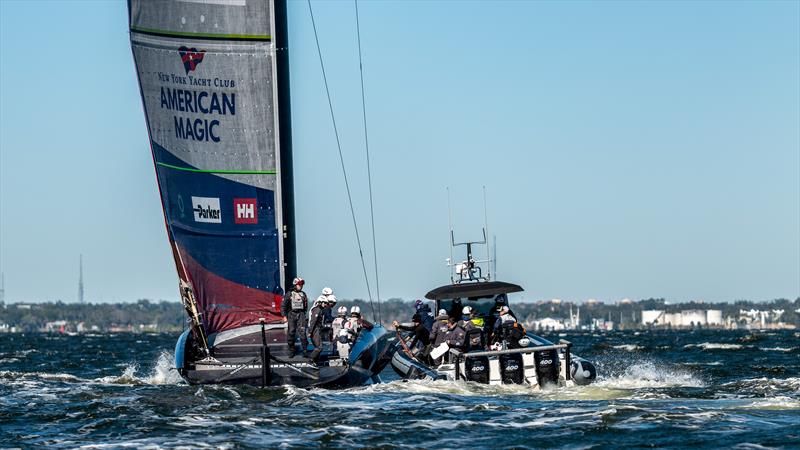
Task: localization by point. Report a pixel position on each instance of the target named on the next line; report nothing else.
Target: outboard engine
(582, 372)
(477, 369)
(511, 369)
(547, 367)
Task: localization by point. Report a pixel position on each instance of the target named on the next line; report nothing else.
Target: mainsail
(213, 74)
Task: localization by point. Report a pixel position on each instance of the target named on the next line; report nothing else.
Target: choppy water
(666, 389)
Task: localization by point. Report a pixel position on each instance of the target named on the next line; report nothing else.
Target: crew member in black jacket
(293, 308)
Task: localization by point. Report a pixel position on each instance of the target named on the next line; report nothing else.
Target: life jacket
(298, 301)
(343, 337)
(352, 324)
(512, 331)
(338, 324)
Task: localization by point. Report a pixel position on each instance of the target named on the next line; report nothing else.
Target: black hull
(238, 360)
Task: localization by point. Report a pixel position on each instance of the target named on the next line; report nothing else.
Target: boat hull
(239, 357)
(540, 369)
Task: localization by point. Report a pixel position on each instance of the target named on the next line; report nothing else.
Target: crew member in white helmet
(315, 323)
(327, 315)
(338, 322)
(293, 308)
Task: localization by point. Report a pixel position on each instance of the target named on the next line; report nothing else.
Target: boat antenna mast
(468, 270)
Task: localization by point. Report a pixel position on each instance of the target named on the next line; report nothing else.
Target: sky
(628, 149)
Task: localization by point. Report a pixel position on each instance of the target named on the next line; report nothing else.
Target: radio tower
(80, 280)
(2, 289)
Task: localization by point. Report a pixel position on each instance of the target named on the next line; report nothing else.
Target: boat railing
(562, 345)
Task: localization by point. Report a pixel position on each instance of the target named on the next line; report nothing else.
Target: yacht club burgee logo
(191, 57)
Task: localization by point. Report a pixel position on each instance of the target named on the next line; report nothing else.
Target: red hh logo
(245, 210)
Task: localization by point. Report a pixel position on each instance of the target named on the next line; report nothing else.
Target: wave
(628, 347)
(761, 387)
(776, 403)
(161, 373)
(778, 349)
(715, 346)
(649, 374)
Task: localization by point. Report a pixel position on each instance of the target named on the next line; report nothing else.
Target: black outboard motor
(547, 367)
(477, 369)
(511, 369)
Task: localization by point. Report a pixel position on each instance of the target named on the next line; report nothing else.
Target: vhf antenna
(450, 225)
(485, 233)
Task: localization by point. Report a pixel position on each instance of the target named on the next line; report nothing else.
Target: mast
(285, 140)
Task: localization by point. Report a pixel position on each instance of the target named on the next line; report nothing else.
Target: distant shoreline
(145, 316)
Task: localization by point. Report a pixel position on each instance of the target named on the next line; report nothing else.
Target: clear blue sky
(629, 149)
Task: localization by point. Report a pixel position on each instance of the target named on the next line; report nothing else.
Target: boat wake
(161, 373)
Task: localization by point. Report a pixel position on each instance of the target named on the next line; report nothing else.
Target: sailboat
(214, 81)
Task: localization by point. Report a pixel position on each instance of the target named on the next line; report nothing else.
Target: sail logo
(206, 209)
(191, 57)
(245, 210)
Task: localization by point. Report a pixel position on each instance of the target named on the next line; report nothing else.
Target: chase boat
(524, 359)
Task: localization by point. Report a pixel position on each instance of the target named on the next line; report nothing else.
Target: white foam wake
(715, 346)
(161, 373)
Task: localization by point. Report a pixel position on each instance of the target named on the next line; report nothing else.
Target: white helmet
(327, 291)
(331, 298)
(355, 310)
(442, 312)
(466, 310)
(299, 281)
(342, 310)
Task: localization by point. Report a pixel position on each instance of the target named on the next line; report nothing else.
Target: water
(667, 389)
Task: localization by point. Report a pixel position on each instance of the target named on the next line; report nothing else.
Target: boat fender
(582, 372)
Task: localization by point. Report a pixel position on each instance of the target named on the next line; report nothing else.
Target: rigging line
(341, 159)
(369, 171)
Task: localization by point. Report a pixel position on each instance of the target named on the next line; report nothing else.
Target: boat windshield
(480, 305)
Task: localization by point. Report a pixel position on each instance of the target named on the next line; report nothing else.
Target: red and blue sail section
(228, 242)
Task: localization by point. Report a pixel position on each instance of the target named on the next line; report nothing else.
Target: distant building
(548, 323)
(714, 317)
(653, 317)
(693, 317)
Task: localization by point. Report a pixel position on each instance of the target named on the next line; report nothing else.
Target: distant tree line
(170, 316)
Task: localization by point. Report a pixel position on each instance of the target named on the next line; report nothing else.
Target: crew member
(508, 329)
(315, 324)
(455, 334)
(466, 319)
(338, 322)
(293, 308)
(500, 301)
(439, 332)
(420, 334)
(425, 313)
(327, 318)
